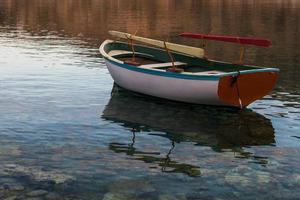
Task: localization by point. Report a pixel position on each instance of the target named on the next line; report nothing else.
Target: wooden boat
(182, 73)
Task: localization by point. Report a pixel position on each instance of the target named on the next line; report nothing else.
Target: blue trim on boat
(251, 71)
(211, 77)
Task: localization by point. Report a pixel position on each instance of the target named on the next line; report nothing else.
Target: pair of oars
(194, 51)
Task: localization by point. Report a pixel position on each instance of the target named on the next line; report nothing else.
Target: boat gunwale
(184, 75)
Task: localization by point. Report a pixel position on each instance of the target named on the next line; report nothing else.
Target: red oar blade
(233, 39)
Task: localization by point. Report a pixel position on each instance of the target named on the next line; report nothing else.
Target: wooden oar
(233, 39)
(193, 51)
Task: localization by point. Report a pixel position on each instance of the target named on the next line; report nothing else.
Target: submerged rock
(37, 193)
(172, 197)
(37, 174)
(14, 187)
(116, 196)
(133, 187)
(11, 198)
(10, 185)
(243, 176)
(52, 196)
(10, 151)
(7, 180)
(33, 198)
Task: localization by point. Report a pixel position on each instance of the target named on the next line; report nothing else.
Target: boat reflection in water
(217, 127)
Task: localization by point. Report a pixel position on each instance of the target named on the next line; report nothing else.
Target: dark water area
(67, 132)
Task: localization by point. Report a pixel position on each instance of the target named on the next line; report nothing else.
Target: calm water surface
(66, 132)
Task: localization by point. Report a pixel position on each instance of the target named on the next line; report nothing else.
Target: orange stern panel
(246, 88)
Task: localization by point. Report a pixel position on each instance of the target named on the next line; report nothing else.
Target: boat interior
(161, 59)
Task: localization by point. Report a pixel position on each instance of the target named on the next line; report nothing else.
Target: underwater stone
(33, 198)
(11, 186)
(16, 187)
(171, 197)
(36, 193)
(37, 174)
(10, 151)
(52, 196)
(131, 187)
(243, 176)
(297, 178)
(273, 164)
(7, 180)
(115, 196)
(10, 166)
(11, 198)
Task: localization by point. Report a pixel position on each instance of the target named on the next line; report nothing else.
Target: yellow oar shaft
(193, 51)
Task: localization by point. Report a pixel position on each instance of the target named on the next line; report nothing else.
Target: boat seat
(159, 65)
(126, 53)
(118, 52)
(209, 72)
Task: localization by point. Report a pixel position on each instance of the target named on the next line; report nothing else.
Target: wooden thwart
(159, 65)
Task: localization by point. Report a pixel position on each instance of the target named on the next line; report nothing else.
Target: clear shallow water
(66, 130)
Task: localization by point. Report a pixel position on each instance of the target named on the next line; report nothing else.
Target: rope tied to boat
(173, 68)
(131, 45)
(169, 54)
(234, 81)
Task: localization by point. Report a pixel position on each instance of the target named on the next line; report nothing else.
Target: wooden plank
(157, 65)
(192, 51)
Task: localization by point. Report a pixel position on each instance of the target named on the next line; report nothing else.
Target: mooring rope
(235, 81)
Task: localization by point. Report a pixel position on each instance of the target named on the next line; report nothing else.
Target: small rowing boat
(183, 73)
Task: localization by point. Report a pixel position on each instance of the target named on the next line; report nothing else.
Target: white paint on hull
(185, 90)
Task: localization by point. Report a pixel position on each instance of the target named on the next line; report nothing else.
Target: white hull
(184, 90)
(239, 87)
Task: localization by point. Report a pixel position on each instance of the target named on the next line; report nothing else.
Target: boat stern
(241, 89)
